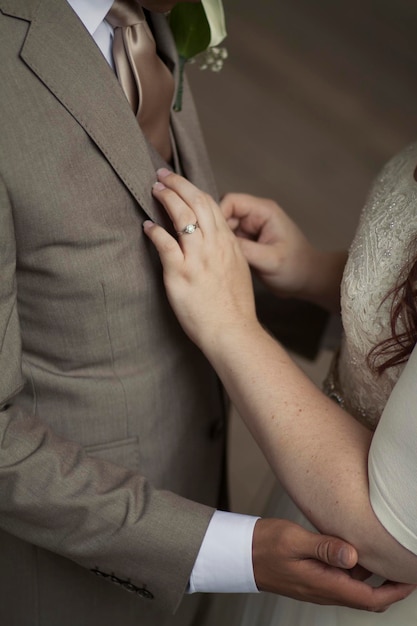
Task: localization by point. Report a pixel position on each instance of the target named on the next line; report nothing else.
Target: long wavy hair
(403, 321)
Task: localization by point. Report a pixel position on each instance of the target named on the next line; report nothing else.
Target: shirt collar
(91, 13)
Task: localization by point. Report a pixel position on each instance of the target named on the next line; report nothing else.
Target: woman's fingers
(263, 258)
(168, 249)
(182, 216)
(207, 279)
(233, 223)
(248, 214)
(200, 205)
(191, 212)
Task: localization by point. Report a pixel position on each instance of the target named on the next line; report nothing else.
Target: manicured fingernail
(163, 172)
(158, 186)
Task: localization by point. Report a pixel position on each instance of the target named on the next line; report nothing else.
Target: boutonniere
(198, 30)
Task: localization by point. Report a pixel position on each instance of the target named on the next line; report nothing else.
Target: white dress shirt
(224, 562)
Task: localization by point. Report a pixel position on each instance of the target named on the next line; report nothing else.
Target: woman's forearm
(316, 449)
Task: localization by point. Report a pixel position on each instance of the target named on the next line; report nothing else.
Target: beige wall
(314, 97)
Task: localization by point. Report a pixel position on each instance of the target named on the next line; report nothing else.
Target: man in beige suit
(111, 424)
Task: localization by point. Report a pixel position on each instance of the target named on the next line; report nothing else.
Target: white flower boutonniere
(198, 30)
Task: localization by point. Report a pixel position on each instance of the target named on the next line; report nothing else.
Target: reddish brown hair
(398, 347)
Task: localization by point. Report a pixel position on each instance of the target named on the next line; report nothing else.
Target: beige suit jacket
(111, 433)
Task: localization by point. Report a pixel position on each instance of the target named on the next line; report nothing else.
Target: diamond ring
(188, 230)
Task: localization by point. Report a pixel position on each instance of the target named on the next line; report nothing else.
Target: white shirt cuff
(224, 562)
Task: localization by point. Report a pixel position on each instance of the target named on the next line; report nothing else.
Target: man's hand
(291, 561)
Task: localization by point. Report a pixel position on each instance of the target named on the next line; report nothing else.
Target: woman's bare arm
(317, 450)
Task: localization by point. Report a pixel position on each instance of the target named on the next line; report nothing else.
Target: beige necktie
(145, 79)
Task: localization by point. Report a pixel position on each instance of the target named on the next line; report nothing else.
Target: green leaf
(190, 28)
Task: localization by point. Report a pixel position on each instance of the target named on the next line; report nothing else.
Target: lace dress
(382, 246)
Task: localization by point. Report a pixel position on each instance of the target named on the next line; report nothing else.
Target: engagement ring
(188, 230)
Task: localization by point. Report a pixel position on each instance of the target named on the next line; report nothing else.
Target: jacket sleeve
(106, 518)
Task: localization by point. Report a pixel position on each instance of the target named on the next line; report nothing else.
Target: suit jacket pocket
(124, 452)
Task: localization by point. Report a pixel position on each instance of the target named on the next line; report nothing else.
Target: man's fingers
(336, 587)
(380, 598)
(291, 561)
(360, 573)
(346, 590)
(335, 552)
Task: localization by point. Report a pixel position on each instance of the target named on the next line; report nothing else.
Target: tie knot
(125, 13)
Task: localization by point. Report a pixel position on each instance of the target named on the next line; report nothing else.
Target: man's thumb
(336, 552)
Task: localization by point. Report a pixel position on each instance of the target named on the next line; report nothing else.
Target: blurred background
(313, 99)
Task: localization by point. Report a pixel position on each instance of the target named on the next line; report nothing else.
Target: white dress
(384, 240)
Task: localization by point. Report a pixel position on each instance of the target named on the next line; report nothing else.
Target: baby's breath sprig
(212, 59)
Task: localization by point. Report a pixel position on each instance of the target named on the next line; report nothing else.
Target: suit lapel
(60, 51)
(62, 54)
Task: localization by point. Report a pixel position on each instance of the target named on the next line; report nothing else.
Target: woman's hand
(305, 436)
(279, 252)
(206, 276)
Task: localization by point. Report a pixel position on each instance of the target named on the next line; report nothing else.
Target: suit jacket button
(144, 593)
(97, 572)
(114, 579)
